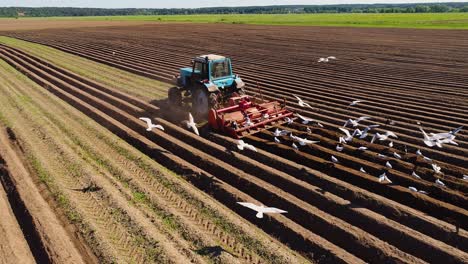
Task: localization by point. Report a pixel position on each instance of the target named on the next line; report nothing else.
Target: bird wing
(391, 134)
(304, 118)
(248, 146)
(345, 131)
(456, 130)
(147, 120)
(190, 118)
(298, 98)
(195, 129)
(426, 137)
(250, 205)
(362, 118)
(272, 210)
(159, 127)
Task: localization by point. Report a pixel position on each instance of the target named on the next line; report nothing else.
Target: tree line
(280, 9)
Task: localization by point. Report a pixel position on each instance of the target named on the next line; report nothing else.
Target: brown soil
(335, 212)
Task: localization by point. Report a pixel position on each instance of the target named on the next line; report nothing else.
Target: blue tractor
(208, 84)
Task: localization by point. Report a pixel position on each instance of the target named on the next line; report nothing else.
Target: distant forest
(280, 9)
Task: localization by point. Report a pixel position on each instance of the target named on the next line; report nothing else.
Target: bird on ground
(305, 120)
(279, 133)
(150, 124)
(415, 175)
(241, 145)
(406, 149)
(309, 131)
(327, 59)
(413, 189)
(303, 141)
(277, 140)
(301, 102)
(362, 148)
(334, 160)
(362, 170)
(465, 177)
(389, 165)
(427, 158)
(248, 122)
(319, 124)
(355, 122)
(261, 209)
(383, 177)
(294, 146)
(390, 144)
(396, 155)
(339, 148)
(436, 168)
(439, 182)
(288, 120)
(191, 124)
(419, 153)
(382, 156)
(355, 102)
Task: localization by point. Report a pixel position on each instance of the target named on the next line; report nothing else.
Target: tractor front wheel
(175, 96)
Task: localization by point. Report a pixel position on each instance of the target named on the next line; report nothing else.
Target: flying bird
(303, 141)
(301, 102)
(383, 177)
(288, 120)
(305, 120)
(348, 135)
(150, 124)
(366, 130)
(191, 124)
(384, 136)
(241, 145)
(430, 141)
(355, 122)
(439, 182)
(261, 209)
(355, 103)
(279, 133)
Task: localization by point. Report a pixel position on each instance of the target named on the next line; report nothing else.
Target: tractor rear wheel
(175, 96)
(201, 103)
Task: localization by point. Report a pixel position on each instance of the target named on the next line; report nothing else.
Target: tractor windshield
(220, 69)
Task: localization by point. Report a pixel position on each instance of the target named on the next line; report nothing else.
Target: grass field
(426, 20)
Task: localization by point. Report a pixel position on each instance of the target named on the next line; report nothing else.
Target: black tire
(175, 96)
(201, 103)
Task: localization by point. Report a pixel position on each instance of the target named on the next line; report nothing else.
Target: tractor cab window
(220, 69)
(200, 70)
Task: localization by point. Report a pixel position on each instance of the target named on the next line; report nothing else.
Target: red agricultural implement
(217, 93)
(244, 116)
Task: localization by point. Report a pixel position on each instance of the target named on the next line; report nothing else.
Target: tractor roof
(211, 57)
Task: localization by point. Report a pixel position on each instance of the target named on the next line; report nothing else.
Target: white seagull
(191, 124)
(465, 177)
(396, 155)
(305, 120)
(383, 177)
(389, 165)
(339, 148)
(355, 102)
(355, 122)
(261, 209)
(436, 168)
(383, 137)
(439, 182)
(362, 148)
(303, 141)
(301, 102)
(348, 137)
(288, 120)
(277, 140)
(294, 146)
(415, 175)
(366, 130)
(279, 133)
(430, 141)
(241, 145)
(419, 153)
(362, 170)
(413, 189)
(390, 144)
(150, 124)
(327, 59)
(334, 160)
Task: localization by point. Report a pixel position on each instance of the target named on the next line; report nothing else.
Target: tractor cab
(209, 81)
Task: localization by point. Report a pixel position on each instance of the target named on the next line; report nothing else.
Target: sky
(189, 3)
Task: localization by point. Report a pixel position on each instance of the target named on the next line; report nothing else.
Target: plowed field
(336, 213)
